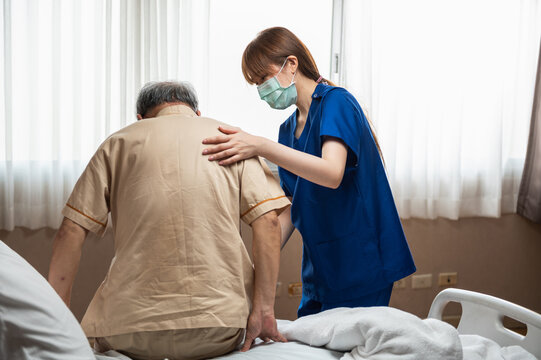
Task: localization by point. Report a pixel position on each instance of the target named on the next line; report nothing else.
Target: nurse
(329, 162)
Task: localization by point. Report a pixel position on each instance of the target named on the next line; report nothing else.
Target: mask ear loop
(284, 64)
(295, 73)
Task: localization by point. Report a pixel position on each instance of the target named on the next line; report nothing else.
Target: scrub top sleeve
(88, 204)
(260, 191)
(341, 118)
(284, 187)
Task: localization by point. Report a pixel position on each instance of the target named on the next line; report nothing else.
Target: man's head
(155, 95)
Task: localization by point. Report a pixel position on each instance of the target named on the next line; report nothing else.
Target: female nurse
(329, 162)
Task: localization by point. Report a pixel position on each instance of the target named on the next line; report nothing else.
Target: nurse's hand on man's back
(235, 145)
(261, 326)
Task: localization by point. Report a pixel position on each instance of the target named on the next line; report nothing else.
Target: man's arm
(266, 256)
(67, 248)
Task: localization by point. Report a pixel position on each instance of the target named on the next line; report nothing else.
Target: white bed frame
(483, 315)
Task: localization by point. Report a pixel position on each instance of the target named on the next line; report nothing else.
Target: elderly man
(181, 284)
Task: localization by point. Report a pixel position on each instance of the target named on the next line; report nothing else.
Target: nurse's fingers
(231, 160)
(223, 154)
(218, 139)
(229, 129)
(216, 148)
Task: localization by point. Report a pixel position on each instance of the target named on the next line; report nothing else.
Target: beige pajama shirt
(179, 261)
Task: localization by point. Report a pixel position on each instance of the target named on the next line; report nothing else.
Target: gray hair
(156, 93)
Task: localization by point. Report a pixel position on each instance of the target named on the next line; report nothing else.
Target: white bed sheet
(271, 351)
(477, 347)
(366, 336)
(284, 351)
(474, 348)
(263, 351)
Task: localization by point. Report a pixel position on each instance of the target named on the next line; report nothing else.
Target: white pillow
(34, 322)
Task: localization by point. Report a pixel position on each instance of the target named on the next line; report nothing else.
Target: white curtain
(449, 87)
(70, 71)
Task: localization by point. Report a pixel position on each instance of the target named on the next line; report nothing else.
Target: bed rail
(483, 315)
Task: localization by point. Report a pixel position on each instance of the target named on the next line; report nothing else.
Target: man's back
(179, 259)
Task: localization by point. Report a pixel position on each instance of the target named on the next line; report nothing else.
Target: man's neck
(156, 109)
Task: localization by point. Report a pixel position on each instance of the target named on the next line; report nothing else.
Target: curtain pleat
(70, 74)
(529, 200)
(6, 167)
(449, 88)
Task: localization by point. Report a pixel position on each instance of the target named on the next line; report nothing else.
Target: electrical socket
(295, 289)
(423, 281)
(448, 279)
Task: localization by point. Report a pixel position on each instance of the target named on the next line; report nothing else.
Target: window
(233, 24)
(71, 70)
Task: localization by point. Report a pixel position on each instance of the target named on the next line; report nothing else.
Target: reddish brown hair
(272, 47)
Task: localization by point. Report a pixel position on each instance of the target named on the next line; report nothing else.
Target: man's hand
(266, 255)
(263, 327)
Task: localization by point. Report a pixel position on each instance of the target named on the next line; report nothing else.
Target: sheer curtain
(529, 197)
(69, 74)
(449, 87)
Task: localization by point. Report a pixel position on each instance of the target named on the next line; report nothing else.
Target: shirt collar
(321, 90)
(177, 109)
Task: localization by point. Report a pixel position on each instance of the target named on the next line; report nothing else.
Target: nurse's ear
(292, 64)
(139, 117)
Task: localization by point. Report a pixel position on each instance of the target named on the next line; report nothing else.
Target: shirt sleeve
(260, 191)
(342, 118)
(88, 204)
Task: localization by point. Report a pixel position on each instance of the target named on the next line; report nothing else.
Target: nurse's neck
(305, 89)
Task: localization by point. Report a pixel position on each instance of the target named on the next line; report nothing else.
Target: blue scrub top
(353, 242)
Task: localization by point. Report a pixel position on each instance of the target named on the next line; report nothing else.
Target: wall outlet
(423, 281)
(294, 289)
(448, 279)
(400, 284)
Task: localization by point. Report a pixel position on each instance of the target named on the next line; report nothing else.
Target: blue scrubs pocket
(338, 214)
(349, 261)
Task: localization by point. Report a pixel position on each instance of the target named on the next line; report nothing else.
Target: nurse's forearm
(326, 170)
(286, 225)
(266, 255)
(66, 256)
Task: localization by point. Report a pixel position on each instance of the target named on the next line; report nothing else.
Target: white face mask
(275, 95)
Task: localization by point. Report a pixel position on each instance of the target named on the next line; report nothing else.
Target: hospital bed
(481, 334)
(36, 324)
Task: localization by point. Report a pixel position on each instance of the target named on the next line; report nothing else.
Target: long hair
(272, 46)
